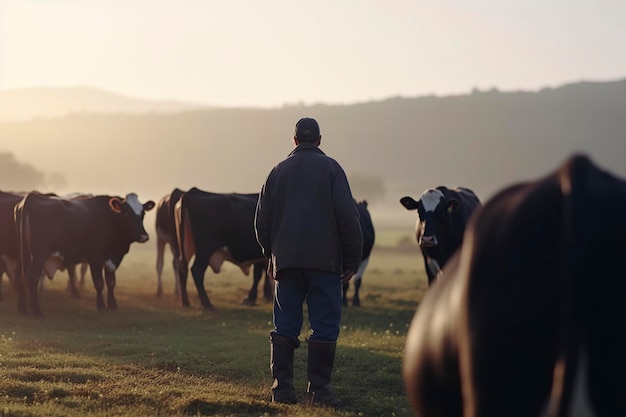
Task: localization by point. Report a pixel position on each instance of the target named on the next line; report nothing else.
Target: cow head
(132, 213)
(433, 208)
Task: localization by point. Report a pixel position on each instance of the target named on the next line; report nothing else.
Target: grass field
(153, 357)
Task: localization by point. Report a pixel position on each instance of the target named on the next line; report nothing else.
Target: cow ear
(408, 203)
(116, 204)
(453, 205)
(149, 205)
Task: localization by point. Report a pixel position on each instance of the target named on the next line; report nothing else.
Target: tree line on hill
(401, 146)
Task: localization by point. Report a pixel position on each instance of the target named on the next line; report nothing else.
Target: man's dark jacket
(306, 216)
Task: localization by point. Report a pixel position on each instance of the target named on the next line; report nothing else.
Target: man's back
(313, 215)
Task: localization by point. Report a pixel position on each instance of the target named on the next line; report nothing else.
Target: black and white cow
(369, 235)
(528, 317)
(54, 233)
(216, 228)
(165, 225)
(443, 214)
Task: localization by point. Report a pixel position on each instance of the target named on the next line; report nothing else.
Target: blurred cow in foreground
(527, 319)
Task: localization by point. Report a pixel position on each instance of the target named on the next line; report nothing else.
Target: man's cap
(307, 128)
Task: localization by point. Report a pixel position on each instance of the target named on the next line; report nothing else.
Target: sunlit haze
(267, 54)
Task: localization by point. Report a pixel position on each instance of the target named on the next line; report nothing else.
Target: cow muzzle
(143, 238)
(428, 241)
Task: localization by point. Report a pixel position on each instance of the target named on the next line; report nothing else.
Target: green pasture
(153, 357)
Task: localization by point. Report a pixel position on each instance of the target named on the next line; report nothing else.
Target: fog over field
(390, 148)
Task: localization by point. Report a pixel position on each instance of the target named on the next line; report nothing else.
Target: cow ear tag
(453, 205)
(116, 204)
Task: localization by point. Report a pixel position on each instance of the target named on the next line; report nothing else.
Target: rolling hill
(42, 102)
(484, 140)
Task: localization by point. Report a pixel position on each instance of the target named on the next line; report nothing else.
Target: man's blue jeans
(322, 292)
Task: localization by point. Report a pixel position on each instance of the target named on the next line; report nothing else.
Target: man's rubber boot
(281, 365)
(320, 366)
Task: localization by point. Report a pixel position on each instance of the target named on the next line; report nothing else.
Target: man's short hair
(307, 130)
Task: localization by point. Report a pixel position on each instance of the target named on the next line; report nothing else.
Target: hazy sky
(270, 53)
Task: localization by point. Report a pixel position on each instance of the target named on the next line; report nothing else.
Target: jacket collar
(306, 146)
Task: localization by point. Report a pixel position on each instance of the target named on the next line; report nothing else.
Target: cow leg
(257, 272)
(176, 266)
(429, 274)
(98, 283)
(110, 281)
(32, 276)
(183, 271)
(345, 287)
(83, 271)
(4, 268)
(41, 285)
(200, 265)
(356, 300)
(10, 269)
(159, 265)
(18, 283)
(71, 282)
(357, 279)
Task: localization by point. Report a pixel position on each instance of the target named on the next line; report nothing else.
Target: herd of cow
(213, 228)
(525, 308)
(43, 233)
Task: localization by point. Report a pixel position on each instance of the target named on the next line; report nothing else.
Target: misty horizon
(485, 140)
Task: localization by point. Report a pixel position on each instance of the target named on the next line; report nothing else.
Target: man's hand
(346, 277)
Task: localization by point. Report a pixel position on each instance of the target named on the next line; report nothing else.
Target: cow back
(219, 220)
(78, 228)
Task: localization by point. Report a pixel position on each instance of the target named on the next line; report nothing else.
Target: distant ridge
(483, 140)
(50, 102)
(46, 102)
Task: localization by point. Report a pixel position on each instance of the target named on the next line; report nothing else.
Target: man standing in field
(307, 224)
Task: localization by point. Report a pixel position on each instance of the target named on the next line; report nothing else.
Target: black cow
(54, 233)
(216, 228)
(165, 225)
(8, 240)
(443, 214)
(71, 282)
(367, 228)
(528, 317)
